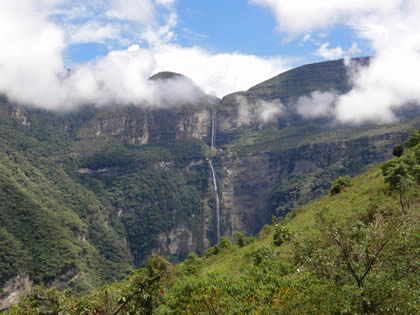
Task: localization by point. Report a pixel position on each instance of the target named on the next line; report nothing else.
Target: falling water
(213, 129)
(216, 191)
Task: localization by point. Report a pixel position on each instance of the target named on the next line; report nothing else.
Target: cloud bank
(389, 26)
(259, 111)
(34, 36)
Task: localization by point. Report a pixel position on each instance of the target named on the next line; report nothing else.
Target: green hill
(353, 251)
(87, 196)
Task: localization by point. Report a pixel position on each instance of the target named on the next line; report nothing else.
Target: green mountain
(87, 196)
(353, 251)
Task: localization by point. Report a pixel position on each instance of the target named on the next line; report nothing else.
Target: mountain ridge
(124, 182)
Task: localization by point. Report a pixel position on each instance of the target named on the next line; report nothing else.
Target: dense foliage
(356, 252)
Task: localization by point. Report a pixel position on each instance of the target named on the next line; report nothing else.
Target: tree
(281, 235)
(413, 139)
(239, 238)
(398, 175)
(145, 287)
(360, 259)
(339, 184)
(398, 150)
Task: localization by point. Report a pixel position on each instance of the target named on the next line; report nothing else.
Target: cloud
(317, 105)
(142, 11)
(329, 53)
(390, 82)
(94, 32)
(218, 74)
(35, 35)
(300, 16)
(337, 52)
(258, 111)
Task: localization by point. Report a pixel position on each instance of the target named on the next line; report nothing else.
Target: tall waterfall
(213, 173)
(213, 129)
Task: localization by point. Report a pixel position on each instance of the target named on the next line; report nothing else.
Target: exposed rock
(13, 291)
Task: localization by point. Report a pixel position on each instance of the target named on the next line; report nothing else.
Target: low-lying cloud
(317, 105)
(259, 111)
(34, 36)
(390, 82)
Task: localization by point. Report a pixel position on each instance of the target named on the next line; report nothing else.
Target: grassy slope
(368, 190)
(49, 214)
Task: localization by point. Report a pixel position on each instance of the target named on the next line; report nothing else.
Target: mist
(35, 36)
(388, 27)
(258, 111)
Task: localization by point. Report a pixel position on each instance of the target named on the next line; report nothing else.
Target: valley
(87, 196)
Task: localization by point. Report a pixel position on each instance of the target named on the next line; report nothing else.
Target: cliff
(112, 185)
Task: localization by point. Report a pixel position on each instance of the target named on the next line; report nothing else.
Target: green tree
(413, 139)
(398, 150)
(239, 238)
(360, 260)
(398, 174)
(339, 184)
(145, 288)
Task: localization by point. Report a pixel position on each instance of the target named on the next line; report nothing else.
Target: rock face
(126, 181)
(12, 291)
(262, 184)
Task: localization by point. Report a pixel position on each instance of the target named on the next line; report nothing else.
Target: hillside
(355, 250)
(87, 196)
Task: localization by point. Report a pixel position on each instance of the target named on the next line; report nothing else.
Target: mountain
(86, 196)
(352, 251)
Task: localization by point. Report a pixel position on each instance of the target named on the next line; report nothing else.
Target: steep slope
(355, 251)
(270, 167)
(124, 181)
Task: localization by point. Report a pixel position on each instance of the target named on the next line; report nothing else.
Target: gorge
(88, 195)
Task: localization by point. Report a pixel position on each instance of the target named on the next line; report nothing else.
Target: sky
(60, 54)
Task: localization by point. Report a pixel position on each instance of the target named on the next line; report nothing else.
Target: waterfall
(216, 193)
(213, 129)
(213, 173)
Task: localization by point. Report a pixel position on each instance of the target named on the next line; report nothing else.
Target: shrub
(239, 238)
(413, 139)
(339, 184)
(262, 255)
(398, 150)
(281, 235)
(266, 230)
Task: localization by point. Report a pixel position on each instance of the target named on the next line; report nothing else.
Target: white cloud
(218, 74)
(94, 32)
(337, 52)
(34, 36)
(306, 37)
(140, 11)
(318, 104)
(258, 111)
(354, 49)
(300, 16)
(391, 80)
(329, 53)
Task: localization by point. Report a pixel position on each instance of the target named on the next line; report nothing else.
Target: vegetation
(339, 184)
(82, 204)
(356, 252)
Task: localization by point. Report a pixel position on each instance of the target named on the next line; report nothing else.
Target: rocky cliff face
(132, 180)
(261, 184)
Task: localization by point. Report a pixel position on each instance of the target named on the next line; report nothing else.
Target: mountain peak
(166, 75)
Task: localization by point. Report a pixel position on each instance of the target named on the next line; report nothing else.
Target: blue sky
(231, 26)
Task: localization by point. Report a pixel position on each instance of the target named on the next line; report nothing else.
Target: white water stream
(213, 173)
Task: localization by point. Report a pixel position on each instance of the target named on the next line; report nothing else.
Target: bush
(339, 184)
(413, 139)
(266, 230)
(398, 150)
(239, 238)
(262, 255)
(281, 235)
